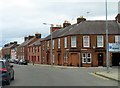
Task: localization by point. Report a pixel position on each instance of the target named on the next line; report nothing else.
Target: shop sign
(114, 47)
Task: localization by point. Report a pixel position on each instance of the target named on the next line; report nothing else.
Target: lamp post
(107, 58)
(51, 41)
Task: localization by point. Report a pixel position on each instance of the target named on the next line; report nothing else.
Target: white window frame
(89, 57)
(48, 44)
(117, 39)
(73, 41)
(23, 49)
(53, 44)
(65, 42)
(58, 42)
(66, 57)
(85, 57)
(100, 41)
(86, 41)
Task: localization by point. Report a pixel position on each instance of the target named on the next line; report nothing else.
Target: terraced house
(82, 44)
(9, 51)
(23, 48)
(34, 52)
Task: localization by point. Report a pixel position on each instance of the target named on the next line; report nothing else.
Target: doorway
(115, 59)
(100, 59)
(59, 59)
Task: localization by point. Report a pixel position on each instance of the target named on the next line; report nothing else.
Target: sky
(20, 18)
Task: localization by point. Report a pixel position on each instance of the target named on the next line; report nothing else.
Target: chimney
(55, 27)
(6, 45)
(80, 19)
(117, 18)
(25, 38)
(66, 23)
(38, 35)
(29, 37)
(15, 42)
(11, 43)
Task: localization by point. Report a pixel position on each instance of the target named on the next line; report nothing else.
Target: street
(29, 75)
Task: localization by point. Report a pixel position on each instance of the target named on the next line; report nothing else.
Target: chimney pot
(29, 37)
(38, 35)
(25, 38)
(66, 23)
(80, 19)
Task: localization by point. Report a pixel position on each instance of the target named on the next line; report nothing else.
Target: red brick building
(23, 48)
(82, 44)
(7, 50)
(34, 52)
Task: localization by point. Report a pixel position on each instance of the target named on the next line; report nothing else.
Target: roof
(36, 42)
(9, 46)
(88, 27)
(27, 42)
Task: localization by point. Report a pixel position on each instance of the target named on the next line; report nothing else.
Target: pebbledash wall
(81, 44)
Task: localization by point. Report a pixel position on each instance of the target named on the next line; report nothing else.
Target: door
(100, 59)
(59, 59)
(115, 59)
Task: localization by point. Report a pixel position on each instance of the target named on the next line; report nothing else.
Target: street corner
(109, 75)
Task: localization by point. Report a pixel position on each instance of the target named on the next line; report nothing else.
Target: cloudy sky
(20, 18)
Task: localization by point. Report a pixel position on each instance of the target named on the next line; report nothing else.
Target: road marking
(99, 76)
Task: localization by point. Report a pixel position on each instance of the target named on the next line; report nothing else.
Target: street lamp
(51, 41)
(107, 58)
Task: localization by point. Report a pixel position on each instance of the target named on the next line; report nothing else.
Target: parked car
(23, 62)
(6, 72)
(16, 61)
(11, 60)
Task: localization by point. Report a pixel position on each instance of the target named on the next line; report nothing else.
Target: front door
(100, 59)
(59, 59)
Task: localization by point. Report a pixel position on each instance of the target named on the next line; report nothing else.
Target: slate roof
(27, 42)
(36, 43)
(88, 27)
(9, 46)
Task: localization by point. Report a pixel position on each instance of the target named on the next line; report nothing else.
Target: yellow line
(99, 76)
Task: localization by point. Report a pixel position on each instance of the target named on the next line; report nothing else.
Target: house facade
(9, 50)
(82, 44)
(23, 48)
(34, 52)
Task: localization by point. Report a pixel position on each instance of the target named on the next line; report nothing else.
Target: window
(86, 57)
(100, 41)
(48, 44)
(86, 41)
(23, 49)
(28, 50)
(117, 39)
(53, 44)
(59, 43)
(65, 42)
(38, 48)
(43, 46)
(66, 57)
(73, 41)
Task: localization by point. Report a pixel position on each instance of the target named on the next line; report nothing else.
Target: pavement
(113, 73)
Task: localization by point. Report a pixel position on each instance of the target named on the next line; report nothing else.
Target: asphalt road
(29, 75)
